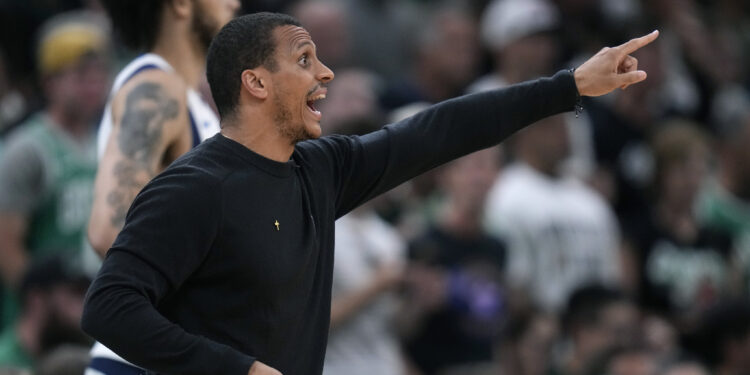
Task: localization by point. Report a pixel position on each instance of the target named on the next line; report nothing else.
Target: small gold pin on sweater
(277, 225)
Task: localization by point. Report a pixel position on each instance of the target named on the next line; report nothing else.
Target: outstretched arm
(150, 120)
(366, 166)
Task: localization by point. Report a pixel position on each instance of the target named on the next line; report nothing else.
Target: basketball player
(154, 114)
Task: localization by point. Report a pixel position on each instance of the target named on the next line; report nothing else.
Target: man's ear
(255, 82)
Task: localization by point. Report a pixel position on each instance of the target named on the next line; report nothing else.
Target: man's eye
(303, 60)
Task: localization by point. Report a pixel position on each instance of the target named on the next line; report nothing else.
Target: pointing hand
(612, 68)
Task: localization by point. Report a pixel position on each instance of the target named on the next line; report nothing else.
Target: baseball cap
(68, 37)
(505, 21)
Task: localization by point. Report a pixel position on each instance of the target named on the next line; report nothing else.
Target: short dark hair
(48, 272)
(136, 22)
(246, 42)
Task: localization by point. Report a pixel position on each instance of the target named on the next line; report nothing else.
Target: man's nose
(325, 75)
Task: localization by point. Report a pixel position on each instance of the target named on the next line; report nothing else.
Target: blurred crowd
(615, 240)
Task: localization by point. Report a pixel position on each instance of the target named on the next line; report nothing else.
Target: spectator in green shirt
(48, 163)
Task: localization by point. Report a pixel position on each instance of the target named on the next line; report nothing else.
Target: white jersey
(203, 121)
(203, 125)
(560, 234)
(364, 342)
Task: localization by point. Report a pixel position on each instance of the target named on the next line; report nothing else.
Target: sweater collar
(272, 167)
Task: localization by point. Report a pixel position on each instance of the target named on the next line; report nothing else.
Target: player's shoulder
(155, 99)
(152, 90)
(154, 82)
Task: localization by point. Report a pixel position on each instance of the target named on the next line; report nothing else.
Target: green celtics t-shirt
(47, 177)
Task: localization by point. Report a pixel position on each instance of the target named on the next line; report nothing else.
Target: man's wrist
(578, 106)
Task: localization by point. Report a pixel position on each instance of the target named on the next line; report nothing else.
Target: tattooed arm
(151, 128)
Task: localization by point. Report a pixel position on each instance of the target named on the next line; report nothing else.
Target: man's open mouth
(311, 102)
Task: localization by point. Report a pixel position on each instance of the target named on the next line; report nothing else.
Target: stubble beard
(282, 119)
(203, 26)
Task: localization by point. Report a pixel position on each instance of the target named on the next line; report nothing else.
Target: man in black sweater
(224, 264)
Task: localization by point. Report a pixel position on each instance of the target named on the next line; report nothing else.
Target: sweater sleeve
(169, 231)
(374, 163)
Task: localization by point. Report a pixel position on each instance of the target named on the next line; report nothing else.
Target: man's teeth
(318, 97)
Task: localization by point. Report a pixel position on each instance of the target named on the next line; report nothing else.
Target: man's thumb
(630, 78)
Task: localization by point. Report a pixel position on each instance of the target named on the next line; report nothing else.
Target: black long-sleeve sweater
(227, 257)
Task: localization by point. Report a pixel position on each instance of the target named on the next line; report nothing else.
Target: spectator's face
(453, 56)
(620, 323)
(468, 179)
(531, 56)
(617, 325)
(81, 88)
(548, 140)
(64, 308)
(681, 181)
(297, 84)
(660, 336)
(67, 303)
(209, 16)
(326, 22)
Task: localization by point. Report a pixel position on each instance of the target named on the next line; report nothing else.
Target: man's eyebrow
(302, 44)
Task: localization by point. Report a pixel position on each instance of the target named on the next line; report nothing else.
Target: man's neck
(183, 53)
(263, 140)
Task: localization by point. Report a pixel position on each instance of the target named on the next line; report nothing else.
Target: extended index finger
(634, 44)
